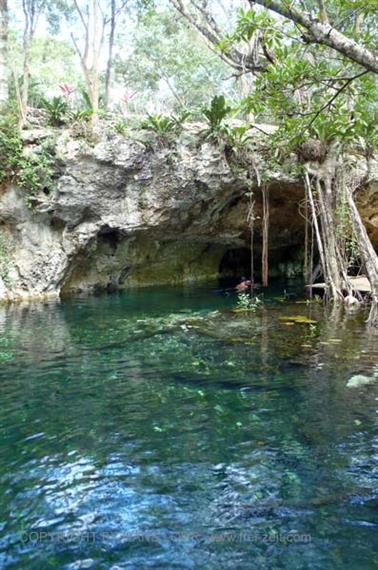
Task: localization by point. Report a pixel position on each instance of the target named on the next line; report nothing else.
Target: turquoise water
(158, 429)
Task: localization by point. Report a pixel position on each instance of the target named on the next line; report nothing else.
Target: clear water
(146, 430)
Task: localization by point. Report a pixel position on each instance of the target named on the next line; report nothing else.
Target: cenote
(160, 429)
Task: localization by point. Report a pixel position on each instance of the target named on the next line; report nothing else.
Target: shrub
(30, 172)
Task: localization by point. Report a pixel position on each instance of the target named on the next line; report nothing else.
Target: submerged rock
(298, 319)
(360, 380)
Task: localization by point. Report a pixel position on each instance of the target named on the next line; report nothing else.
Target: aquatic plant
(247, 303)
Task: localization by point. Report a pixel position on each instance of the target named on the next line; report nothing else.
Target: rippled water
(157, 429)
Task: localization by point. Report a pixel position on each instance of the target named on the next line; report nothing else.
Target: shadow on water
(161, 429)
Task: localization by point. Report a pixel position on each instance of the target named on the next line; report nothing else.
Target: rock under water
(360, 380)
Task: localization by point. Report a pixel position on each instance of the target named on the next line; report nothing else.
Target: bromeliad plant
(57, 109)
(215, 115)
(160, 124)
(164, 125)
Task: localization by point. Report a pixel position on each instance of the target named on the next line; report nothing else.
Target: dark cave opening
(284, 262)
(235, 263)
(111, 237)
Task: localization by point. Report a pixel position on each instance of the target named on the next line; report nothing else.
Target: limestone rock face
(126, 212)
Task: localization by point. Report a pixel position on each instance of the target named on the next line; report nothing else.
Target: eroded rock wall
(126, 213)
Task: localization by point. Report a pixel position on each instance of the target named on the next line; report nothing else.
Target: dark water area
(159, 429)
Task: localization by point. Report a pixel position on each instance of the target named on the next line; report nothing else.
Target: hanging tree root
(324, 232)
(368, 255)
(337, 222)
(251, 221)
(265, 236)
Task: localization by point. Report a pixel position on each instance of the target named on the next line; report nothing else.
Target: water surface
(158, 429)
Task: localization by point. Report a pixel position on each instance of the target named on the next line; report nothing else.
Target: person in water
(244, 284)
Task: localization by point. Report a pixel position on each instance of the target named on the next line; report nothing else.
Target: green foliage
(247, 303)
(120, 127)
(217, 111)
(163, 125)
(306, 91)
(82, 115)
(214, 115)
(170, 67)
(57, 108)
(31, 172)
(250, 21)
(52, 62)
(160, 124)
(86, 103)
(238, 137)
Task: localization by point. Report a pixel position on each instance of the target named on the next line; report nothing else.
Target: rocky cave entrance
(284, 262)
(235, 263)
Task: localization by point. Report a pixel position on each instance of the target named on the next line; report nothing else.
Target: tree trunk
(95, 73)
(3, 52)
(109, 64)
(25, 74)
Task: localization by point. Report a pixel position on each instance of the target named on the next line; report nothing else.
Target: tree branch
(207, 27)
(329, 103)
(323, 33)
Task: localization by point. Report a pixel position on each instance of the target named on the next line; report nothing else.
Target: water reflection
(159, 429)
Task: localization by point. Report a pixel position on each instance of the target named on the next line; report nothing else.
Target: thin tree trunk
(3, 52)
(22, 117)
(25, 63)
(25, 75)
(358, 23)
(323, 16)
(95, 63)
(109, 64)
(171, 88)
